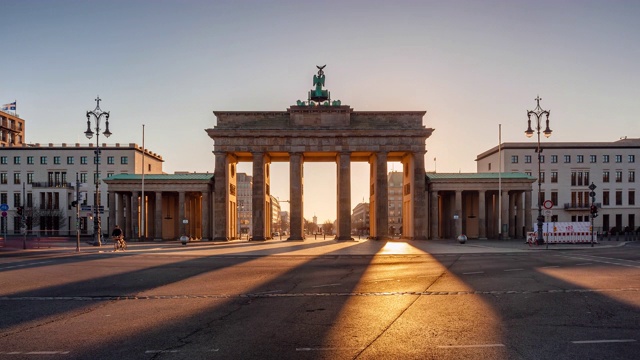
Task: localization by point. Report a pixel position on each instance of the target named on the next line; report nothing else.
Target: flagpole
(500, 181)
(144, 203)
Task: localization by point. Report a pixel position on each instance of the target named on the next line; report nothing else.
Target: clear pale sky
(470, 64)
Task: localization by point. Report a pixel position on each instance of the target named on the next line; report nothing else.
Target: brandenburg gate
(320, 129)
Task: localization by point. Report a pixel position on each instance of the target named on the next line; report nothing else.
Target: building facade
(41, 179)
(566, 171)
(395, 202)
(12, 130)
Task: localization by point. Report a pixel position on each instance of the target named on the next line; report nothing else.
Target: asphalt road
(328, 303)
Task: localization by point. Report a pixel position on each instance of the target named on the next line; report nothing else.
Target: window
(110, 160)
(542, 197)
(3, 160)
(554, 159)
(618, 197)
(16, 160)
(541, 176)
(514, 159)
(579, 158)
(70, 160)
(574, 177)
(83, 177)
(567, 159)
(30, 160)
(586, 178)
(29, 178)
(554, 176)
(541, 159)
(56, 160)
(632, 158)
(96, 177)
(125, 160)
(579, 178)
(16, 199)
(96, 160)
(3, 178)
(16, 178)
(109, 174)
(632, 176)
(43, 160)
(527, 159)
(592, 158)
(554, 198)
(605, 176)
(528, 173)
(3, 198)
(605, 197)
(632, 197)
(605, 158)
(83, 160)
(618, 158)
(489, 167)
(618, 176)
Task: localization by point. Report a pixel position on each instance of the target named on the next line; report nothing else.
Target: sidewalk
(310, 247)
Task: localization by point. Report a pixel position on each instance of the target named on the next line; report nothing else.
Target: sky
(472, 65)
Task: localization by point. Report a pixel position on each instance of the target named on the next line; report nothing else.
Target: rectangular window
(70, 160)
(619, 197)
(586, 178)
(514, 159)
(579, 178)
(56, 160)
(3, 178)
(567, 159)
(29, 178)
(542, 197)
(110, 160)
(30, 160)
(554, 159)
(527, 159)
(592, 158)
(528, 173)
(554, 198)
(541, 159)
(579, 158)
(554, 176)
(632, 176)
(541, 176)
(43, 160)
(83, 178)
(3, 198)
(605, 158)
(83, 160)
(16, 178)
(574, 177)
(125, 160)
(632, 158)
(618, 176)
(3, 160)
(96, 160)
(605, 197)
(16, 160)
(632, 197)
(618, 158)
(605, 176)
(16, 199)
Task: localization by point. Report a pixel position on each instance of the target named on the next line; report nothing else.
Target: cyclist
(118, 238)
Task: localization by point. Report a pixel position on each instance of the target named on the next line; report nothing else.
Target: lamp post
(97, 113)
(538, 113)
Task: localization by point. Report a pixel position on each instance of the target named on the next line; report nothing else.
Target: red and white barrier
(565, 233)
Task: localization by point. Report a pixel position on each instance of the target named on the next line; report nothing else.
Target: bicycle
(119, 243)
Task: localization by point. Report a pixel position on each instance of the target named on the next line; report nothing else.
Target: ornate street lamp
(97, 113)
(538, 113)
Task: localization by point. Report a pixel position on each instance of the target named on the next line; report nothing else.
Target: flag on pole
(9, 106)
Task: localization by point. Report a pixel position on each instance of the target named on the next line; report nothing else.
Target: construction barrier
(565, 233)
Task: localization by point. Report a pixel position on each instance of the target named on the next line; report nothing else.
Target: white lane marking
(27, 264)
(319, 286)
(474, 272)
(376, 280)
(471, 346)
(514, 270)
(594, 259)
(267, 292)
(327, 349)
(549, 267)
(583, 264)
(177, 351)
(603, 341)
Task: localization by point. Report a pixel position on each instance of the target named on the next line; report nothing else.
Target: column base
(258, 238)
(221, 238)
(344, 238)
(295, 239)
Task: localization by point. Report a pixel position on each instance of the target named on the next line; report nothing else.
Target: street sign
(4, 214)
(4, 207)
(548, 204)
(548, 212)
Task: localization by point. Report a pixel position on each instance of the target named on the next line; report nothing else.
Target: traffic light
(74, 203)
(19, 210)
(594, 211)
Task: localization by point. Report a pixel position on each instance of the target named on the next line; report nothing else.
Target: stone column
(505, 213)
(296, 196)
(528, 220)
(458, 211)
(205, 216)
(382, 197)
(434, 215)
(135, 222)
(120, 216)
(519, 216)
(419, 197)
(128, 217)
(482, 214)
(111, 203)
(157, 227)
(259, 197)
(344, 196)
(512, 216)
(181, 213)
(220, 196)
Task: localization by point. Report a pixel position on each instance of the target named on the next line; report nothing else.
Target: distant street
(321, 299)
